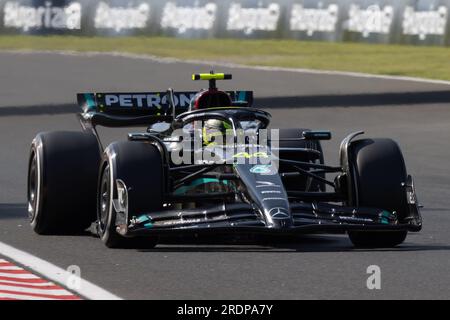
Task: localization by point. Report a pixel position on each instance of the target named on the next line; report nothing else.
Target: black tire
(379, 171)
(301, 183)
(139, 166)
(62, 178)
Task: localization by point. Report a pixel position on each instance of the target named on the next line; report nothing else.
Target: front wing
(244, 218)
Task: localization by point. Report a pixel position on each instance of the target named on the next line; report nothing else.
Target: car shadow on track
(304, 243)
(13, 211)
(19, 211)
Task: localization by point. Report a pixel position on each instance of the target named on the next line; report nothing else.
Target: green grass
(415, 61)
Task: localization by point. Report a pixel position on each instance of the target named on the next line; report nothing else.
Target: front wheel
(379, 174)
(139, 166)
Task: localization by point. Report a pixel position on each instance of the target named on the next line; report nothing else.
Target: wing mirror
(159, 127)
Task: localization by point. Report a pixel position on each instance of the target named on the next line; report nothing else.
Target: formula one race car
(179, 176)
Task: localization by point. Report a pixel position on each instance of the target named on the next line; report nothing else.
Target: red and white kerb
(17, 283)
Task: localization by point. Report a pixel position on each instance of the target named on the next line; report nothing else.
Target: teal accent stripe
(142, 218)
(90, 101)
(198, 182)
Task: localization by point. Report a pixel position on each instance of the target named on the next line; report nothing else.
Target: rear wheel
(379, 172)
(300, 183)
(139, 166)
(62, 175)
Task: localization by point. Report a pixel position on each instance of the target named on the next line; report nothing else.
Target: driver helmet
(214, 128)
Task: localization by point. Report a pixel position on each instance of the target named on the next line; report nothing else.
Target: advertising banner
(419, 22)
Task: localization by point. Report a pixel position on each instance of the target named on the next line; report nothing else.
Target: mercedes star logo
(279, 213)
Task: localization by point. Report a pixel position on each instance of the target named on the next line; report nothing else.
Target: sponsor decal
(265, 184)
(275, 198)
(121, 18)
(271, 191)
(313, 20)
(354, 219)
(183, 19)
(261, 169)
(247, 155)
(143, 99)
(278, 213)
(249, 20)
(424, 23)
(184, 221)
(373, 19)
(138, 100)
(48, 16)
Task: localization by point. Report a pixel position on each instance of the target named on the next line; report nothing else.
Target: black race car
(138, 189)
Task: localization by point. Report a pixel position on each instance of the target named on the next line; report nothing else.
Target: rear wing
(148, 103)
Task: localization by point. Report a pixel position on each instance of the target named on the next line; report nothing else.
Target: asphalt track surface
(37, 93)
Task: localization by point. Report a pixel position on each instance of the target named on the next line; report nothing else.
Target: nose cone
(267, 192)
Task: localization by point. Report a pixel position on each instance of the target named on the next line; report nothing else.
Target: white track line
(228, 65)
(54, 273)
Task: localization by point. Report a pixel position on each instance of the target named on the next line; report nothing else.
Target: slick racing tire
(139, 166)
(301, 183)
(62, 178)
(379, 171)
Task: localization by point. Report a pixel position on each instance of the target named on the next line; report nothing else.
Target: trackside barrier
(420, 22)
